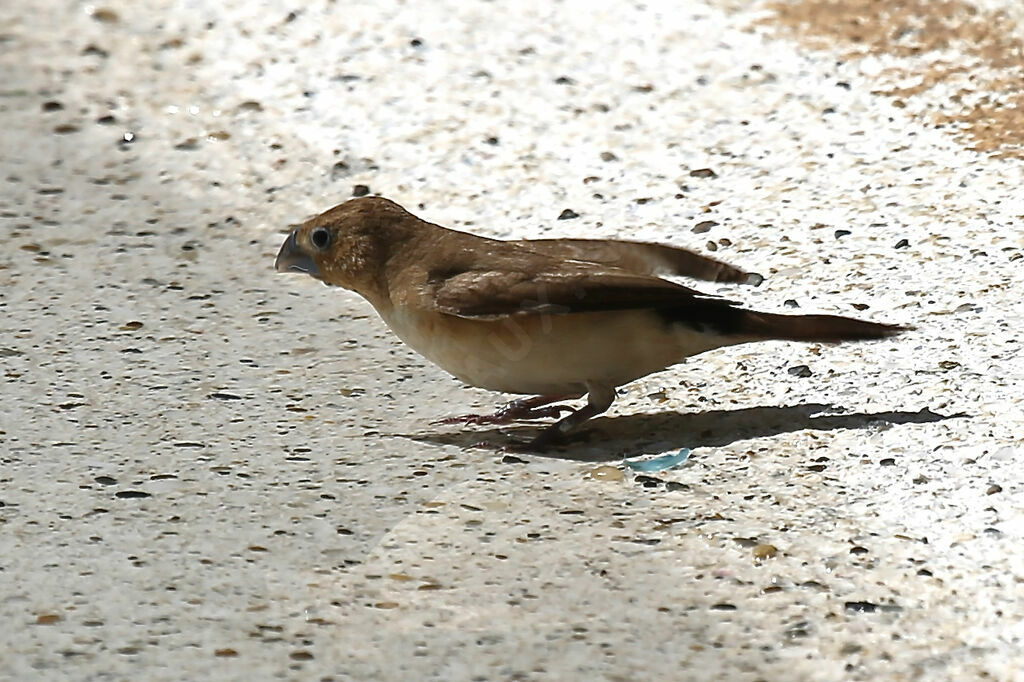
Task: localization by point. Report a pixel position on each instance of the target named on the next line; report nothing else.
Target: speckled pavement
(212, 472)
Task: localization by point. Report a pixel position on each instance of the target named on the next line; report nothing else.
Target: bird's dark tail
(812, 328)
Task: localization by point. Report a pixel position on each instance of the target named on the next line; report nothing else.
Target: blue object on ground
(660, 463)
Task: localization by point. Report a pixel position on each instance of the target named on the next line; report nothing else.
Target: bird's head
(348, 245)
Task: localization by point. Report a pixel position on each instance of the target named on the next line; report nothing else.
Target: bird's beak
(291, 258)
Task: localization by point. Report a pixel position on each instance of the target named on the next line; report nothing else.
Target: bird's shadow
(612, 438)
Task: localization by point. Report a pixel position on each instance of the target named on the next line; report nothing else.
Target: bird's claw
(474, 419)
(506, 415)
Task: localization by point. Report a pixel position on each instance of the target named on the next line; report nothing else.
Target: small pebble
(765, 551)
(360, 190)
(606, 472)
(703, 173)
(703, 226)
(802, 371)
(400, 577)
(131, 494)
(105, 15)
(568, 214)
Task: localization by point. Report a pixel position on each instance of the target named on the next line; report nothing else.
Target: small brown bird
(551, 318)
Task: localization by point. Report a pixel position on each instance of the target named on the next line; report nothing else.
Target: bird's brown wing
(495, 294)
(499, 292)
(642, 258)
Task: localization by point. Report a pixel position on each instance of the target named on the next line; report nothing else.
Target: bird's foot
(537, 407)
(565, 429)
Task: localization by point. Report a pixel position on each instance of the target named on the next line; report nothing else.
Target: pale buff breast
(550, 354)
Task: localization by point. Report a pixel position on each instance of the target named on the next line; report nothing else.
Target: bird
(548, 319)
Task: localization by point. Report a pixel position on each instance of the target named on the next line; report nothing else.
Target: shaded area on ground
(611, 438)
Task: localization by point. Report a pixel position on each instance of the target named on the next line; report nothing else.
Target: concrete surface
(211, 472)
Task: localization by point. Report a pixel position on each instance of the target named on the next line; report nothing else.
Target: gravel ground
(213, 472)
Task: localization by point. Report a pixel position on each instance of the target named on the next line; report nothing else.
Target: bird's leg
(534, 407)
(599, 399)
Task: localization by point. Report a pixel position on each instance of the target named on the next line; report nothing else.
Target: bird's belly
(549, 354)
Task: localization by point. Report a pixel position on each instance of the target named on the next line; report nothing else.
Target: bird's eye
(320, 237)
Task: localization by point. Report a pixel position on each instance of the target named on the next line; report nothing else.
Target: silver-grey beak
(291, 258)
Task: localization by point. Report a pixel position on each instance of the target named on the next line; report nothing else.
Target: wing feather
(496, 293)
(643, 258)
